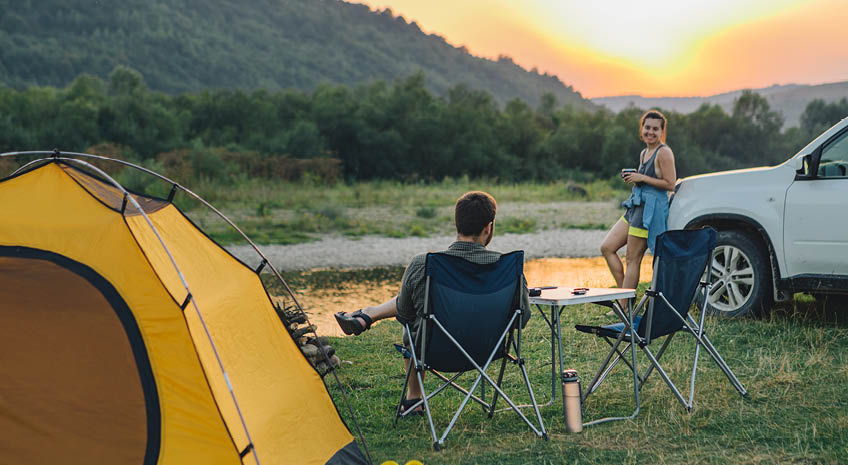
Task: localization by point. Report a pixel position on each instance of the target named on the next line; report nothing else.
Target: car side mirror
(802, 165)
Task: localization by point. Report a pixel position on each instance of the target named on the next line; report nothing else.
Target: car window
(834, 159)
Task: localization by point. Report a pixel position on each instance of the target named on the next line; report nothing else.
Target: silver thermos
(571, 404)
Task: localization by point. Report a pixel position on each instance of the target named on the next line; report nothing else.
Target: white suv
(781, 229)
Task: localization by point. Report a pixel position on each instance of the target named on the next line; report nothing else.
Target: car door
(816, 213)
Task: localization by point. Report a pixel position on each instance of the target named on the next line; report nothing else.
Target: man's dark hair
(474, 210)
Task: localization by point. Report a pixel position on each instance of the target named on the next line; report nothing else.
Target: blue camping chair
(680, 260)
(471, 318)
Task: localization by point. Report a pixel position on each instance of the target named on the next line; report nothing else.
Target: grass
(310, 194)
(289, 213)
(793, 364)
(589, 226)
(516, 225)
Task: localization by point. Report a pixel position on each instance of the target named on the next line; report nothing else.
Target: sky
(657, 48)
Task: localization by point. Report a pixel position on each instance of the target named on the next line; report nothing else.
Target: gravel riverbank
(371, 251)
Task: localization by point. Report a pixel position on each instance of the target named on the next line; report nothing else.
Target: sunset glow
(658, 48)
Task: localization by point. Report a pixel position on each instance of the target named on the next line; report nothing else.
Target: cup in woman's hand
(626, 171)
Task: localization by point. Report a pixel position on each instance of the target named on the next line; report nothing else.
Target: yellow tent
(127, 336)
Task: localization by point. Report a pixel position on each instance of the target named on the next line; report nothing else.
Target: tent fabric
(95, 293)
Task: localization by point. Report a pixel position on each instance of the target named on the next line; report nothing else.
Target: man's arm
(411, 294)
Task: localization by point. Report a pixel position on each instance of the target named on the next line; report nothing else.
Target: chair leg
(705, 341)
(512, 404)
(483, 395)
(418, 369)
(620, 357)
(495, 396)
(665, 377)
(533, 399)
(697, 352)
(701, 339)
(509, 343)
(650, 368)
(516, 344)
(604, 369)
(451, 383)
(482, 378)
(403, 392)
(427, 408)
(459, 410)
(409, 368)
(724, 367)
(482, 371)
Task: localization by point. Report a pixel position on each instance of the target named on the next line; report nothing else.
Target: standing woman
(647, 206)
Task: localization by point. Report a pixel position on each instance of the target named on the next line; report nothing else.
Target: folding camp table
(556, 300)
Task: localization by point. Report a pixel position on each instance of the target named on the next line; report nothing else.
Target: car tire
(740, 277)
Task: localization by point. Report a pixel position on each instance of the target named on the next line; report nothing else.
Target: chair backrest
(681, 256)
(474, 303)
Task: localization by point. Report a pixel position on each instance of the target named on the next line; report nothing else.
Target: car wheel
(740, 278)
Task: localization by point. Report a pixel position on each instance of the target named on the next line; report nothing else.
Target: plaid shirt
(410, 299)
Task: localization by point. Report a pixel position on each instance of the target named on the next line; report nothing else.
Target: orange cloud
(666, 48)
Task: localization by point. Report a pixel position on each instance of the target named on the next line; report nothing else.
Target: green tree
(756, 131)
(819, 115)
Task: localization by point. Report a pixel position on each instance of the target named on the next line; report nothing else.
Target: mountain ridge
(182, 46)
(788, 99)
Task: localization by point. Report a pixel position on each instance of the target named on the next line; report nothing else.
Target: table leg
(558, 311)
(633, 356)
(554, 334)
(556, 343)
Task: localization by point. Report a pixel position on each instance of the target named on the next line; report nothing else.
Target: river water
(321, 303)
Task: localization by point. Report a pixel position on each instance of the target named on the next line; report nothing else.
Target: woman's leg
(636, 247)
(615, 240)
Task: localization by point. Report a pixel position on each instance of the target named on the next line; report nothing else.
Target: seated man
(474, 217)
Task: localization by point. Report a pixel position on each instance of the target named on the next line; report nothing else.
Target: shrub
(177, 165)
(426, 212)
(331, 211)
(111, 150)
(516, 225)
(285, 168)
(8, 165)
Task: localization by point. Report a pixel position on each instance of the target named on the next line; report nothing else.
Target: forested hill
(182, 45)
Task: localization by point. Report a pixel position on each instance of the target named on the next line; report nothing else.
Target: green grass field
(288, 213)
(793, 364)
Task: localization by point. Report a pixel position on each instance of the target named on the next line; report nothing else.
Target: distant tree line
(183, 46)
(396, 131)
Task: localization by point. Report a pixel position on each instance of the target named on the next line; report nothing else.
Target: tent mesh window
(110, 195)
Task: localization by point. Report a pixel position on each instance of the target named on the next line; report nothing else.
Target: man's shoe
(406, 404)
(350, 324)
